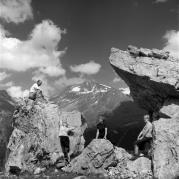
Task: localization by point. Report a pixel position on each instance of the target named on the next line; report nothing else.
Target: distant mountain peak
(89, 87)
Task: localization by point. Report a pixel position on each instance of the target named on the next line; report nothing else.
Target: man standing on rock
(35, 89)
(101, 129)
(145, 136)
(65, 132)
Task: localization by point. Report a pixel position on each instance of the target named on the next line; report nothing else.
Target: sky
(65, 42)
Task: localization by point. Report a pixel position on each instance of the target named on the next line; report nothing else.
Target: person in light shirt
(145, 136)
(34, 89)
(64, 133)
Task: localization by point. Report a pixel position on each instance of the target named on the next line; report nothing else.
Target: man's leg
(67, 149)
(62, 142)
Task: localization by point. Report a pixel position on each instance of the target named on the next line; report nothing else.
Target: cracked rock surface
(152, 76)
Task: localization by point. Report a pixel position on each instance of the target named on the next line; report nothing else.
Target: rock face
(6, 112)
(152, 76)
(34, 141)
(95, 158)
(101, 157)
(127, 168)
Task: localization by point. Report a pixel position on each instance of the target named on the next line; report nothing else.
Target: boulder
(166, 143)
(94, 159)
(127, 168)
(101, 157)
(34, 142)
(152, 76)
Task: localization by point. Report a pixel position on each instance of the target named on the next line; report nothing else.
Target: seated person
(101, 129)
(145, 136)
(34, 89)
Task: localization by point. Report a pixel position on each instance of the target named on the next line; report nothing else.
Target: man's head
(101, 119)
(39, 82)
(146, 118)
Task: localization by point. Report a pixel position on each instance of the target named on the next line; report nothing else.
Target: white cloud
(17, 92)
(89, 68)
(40, 51)
(3, 75)
(16, 11)
(172, 44)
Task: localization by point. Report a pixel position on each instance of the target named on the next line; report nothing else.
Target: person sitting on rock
(145, 137)
(64, 133)
(35, 89)
(101, 129)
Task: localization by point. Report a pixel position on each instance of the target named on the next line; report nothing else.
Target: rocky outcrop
(34, 142)
(101, 157)
(166, 143)
(152, 76)
(6, 112)
(95, 158)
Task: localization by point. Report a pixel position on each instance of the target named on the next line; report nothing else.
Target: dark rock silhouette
(152, 76)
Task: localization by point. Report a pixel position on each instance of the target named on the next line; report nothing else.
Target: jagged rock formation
(6, 112)
(34, 142)
(101, 157)
(152, 76)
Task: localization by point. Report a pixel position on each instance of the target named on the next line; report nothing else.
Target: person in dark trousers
(101, 129)
(64, 133)
(145, 137)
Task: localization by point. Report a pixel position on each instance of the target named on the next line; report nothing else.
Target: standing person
(145, 136)
(65, 130)
(102, 130)
(35, 89)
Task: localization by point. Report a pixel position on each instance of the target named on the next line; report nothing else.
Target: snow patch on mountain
(125, 91)
(76, 89)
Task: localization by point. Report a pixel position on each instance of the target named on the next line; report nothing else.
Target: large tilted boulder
(34, 142)
(127, 168)
(152, 76)
(101, 157)
(95, 158)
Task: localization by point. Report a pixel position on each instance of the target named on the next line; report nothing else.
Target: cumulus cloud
(89, 68)
(172, 44)
(17, 92)
(39, 51)
(3, 75)
(16, 11)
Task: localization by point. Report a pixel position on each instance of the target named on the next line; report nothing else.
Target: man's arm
(140, 136)
(97, 133)
(106, 132)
